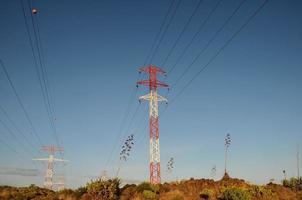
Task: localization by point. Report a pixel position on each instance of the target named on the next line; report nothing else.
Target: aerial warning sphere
(34, 11)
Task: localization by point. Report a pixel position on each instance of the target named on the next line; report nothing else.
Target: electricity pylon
(104, 176)
(48, 178)
(153, 99)
(61, 183)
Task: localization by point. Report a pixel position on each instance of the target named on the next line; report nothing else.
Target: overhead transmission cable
(165, 31)
(10, 148)
(159, 32)
(159, 42)
(257, 11)
(43, 72)
(22, 134)
(191, 41)
(16, 128)
(182, 32)
(134, 92)
(209, 43)
(17, 139)
(127, 112)
(14, 136)
(216, 55)
(200, 28)
(127, 130)
(39, 65)
(34, 132)
(35, 23)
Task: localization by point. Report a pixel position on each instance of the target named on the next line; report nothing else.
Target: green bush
(261, 192)
(206, 194)
(147, 186)
(80, 191)
(104, 190)
(233, 193)
(294, 183)
(149, 195)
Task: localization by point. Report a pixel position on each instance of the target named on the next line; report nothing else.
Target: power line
(127, 112)
(15, 137)
(43, 71)
(19, 131)
(39, 65)
(158, 33)
(129, 124)
(182, 32)
(209, 43)
(34, 54)
(180, 35)
(137, 140)
(134, 92)
(38, 68)
(201, 27)
(16, 128)
(11, 148)
(220, 50)
(20, 103)
(165, 30)
(187, 46)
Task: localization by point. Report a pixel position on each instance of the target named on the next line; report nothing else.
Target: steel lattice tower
(153, 99)
(48, 178)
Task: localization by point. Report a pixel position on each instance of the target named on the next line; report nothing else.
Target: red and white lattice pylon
(153, 99)
(48, 178)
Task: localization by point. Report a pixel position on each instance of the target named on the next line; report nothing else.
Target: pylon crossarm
(41, 159)
(150, 68)
(147, 97)
(161, 98)
(60, 160)
(59, 183)
(148, 82)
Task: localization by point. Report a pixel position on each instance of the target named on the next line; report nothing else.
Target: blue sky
(92, 51)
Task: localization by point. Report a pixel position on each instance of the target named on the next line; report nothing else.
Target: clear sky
(92, 50)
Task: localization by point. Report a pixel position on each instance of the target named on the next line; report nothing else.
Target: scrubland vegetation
(193, 189)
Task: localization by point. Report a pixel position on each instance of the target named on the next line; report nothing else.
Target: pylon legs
(155, 173)
(49, 175)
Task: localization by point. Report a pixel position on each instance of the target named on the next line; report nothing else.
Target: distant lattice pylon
(153, 83)
(213, 172)
(61, 183)
(48, 179)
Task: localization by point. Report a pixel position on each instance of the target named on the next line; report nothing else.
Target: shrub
(285, 183)
(147, 186)
(261, 192)
(206, 194)
(104, 190)
(293, 183)
(80, 191)
(233, 193)
(149, 195)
